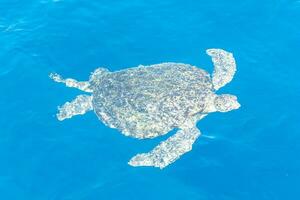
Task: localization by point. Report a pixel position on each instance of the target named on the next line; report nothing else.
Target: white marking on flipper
(78, 106)
(224, 67)
(69, 82)
(169, 150)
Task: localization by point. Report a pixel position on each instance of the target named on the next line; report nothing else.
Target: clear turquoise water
(255, 153)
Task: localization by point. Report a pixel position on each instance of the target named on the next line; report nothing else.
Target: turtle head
(226, 103)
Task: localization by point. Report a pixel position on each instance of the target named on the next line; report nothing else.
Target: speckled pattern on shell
(148, 101)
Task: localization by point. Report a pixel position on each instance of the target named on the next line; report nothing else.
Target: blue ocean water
(253, 152)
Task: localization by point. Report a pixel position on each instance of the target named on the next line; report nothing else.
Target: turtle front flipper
(81, 85)
(168, 151)
(224, 67)
(79, 106)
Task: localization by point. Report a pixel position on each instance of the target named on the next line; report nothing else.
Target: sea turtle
(150, 101)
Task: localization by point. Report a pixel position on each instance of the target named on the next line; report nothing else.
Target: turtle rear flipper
(79, 106)
(168, 151)
(224, 67)
(69, 82)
